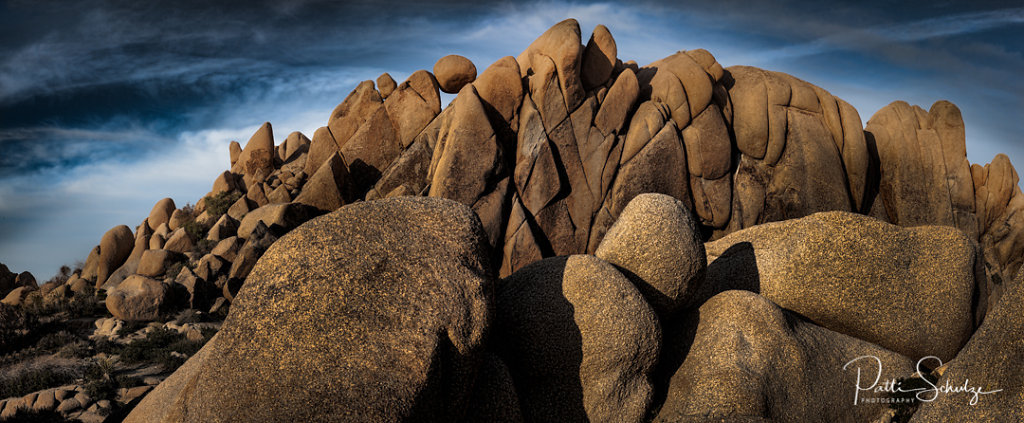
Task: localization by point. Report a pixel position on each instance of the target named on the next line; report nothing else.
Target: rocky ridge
(564, 166)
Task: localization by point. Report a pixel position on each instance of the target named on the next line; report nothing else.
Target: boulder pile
(578, 238)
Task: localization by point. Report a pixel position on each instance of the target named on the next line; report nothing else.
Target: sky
(108, 106)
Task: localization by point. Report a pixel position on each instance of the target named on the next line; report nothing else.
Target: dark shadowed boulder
(579, 340)
(279, 218)
(376, 312)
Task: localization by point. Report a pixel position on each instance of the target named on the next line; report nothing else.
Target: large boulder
(115, 247)
(916, 291)
(579, 340)
(990, 364)
(17, 296)
(325, 190)
(742, 358)
(161, 213)
(143, 236)
(139, 298)
(155, 262)
(376, 312)
(656, 243)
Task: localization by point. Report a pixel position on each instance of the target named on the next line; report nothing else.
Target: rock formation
(574, 237)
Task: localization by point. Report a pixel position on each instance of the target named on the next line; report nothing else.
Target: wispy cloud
(857, 39)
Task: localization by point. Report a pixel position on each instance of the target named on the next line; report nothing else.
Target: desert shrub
(25, 415)
(55, 341)
(77, 306)
(15, 325)
(194, 229)
(219, 204)
(205, 246)
(102, 383)
(77, 349)
(159, 346)
(36, 377)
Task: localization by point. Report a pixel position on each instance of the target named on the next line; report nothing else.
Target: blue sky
(108, 106)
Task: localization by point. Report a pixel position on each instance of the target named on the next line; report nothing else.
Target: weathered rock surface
(916, 291)
(256, 160)
(579, 340)
(990, 362)
(138, 298)
(747, 359)
(656, 244)
(382, 306)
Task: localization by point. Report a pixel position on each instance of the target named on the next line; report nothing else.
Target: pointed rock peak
(562, 44)
(263, 138)
(599, 58)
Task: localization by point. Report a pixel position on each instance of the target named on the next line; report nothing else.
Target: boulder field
(578, 238)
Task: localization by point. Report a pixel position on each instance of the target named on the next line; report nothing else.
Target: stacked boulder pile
(579, 238)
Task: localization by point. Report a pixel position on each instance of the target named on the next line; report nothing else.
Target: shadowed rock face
(579, 339)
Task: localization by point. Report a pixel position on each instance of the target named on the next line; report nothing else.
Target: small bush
(55, 341)
(205, 246)
(25, 415)
(79, 349)
(219, 204)
(37, 378)
(158, 346)
(15, 325)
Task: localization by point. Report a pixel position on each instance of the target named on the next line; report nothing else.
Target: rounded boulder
(453, 72)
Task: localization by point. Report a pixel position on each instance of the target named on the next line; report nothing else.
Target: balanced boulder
(453, 72)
